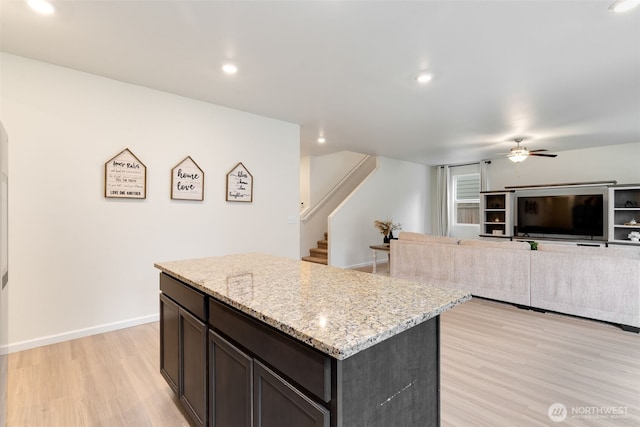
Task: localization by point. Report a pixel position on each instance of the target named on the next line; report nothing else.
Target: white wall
(4, 285)
(328, 170)
(396, 191)
(614, 162)
(81, 263)
(305, 182)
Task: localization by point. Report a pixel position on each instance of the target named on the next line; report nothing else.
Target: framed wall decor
(187, 181)
(239, 184)
(125, 176)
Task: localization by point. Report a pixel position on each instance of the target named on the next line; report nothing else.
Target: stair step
(319, 252)
(315, 259)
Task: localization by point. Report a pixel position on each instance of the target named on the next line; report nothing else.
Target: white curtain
(442, 196)
(484, 175)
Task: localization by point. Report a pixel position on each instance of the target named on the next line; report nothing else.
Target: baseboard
(364, 264)
(78, 333)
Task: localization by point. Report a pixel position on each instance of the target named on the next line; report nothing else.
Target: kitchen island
(259, 340)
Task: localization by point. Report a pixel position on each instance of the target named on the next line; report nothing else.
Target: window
(466, 190)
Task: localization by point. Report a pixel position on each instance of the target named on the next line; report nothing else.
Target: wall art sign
(125, 176)
(239, 184)
(187, 181)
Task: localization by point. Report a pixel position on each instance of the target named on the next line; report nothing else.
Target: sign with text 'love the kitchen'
(125, 176)
(187, 181)
(239, 184)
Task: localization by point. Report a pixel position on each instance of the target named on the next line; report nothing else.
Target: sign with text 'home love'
(125, 176)
(187, 181)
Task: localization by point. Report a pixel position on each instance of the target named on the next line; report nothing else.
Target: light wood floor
(108, 380)
(504, 366)
(501, 366)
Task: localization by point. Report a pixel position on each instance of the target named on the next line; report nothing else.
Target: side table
(383, 248)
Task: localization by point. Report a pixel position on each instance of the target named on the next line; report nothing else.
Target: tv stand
(621, 213)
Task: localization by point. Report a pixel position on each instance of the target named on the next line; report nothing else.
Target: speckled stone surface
(339, 312)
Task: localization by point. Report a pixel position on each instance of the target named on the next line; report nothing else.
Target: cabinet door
(169, 342)
(276, 403)
(193, 381)
(231, 384)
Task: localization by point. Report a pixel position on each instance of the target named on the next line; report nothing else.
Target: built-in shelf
(624, 208)
(496, 208)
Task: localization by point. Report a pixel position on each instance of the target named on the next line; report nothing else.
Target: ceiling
(563, 74)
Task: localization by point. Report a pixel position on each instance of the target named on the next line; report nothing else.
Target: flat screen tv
(579, 216)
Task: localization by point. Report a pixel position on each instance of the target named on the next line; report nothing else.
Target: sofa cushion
(524, 246)
(597, 286)
(421, 237)
(494, 272)
(422, 262)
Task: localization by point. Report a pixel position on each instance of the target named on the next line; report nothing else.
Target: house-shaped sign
(125, 176)
(239, 184)
(187, 181)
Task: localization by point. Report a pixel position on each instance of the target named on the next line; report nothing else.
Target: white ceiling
(565, 74)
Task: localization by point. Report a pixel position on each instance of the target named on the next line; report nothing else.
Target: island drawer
(187, 297)
(307, 367)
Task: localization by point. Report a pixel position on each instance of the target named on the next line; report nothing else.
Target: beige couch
(598, 283)
(594, 282)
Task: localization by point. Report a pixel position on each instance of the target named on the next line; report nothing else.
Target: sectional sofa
(601, 283)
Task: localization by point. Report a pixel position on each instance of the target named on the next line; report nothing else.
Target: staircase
(319, 254)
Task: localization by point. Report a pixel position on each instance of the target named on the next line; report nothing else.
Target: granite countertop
(337, 311)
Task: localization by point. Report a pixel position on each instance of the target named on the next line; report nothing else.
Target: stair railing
(311, 211)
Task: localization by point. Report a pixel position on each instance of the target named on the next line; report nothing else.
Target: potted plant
(386, 229)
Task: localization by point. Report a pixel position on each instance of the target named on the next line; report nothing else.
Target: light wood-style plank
(504, 366)
(501, 366)
(110, 379)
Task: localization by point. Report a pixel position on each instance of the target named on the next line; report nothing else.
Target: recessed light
(622, 6)
(424, 77)
(41, 6)
(229, 68)
(321, 140)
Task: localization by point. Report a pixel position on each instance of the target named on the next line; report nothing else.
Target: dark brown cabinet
(170, 341)
(245, 392)
(183, 345)
(193, 393)
(231, 383)
(277, 403)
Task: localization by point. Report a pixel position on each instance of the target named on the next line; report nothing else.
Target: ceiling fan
(519, 154)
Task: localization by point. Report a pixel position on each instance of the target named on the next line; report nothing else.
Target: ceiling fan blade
(543, 155)
(535, 151)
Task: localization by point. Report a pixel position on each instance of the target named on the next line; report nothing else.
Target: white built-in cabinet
(496, 209)
(624, 213)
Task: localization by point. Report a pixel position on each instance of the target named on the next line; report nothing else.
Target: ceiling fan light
(518, 155)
